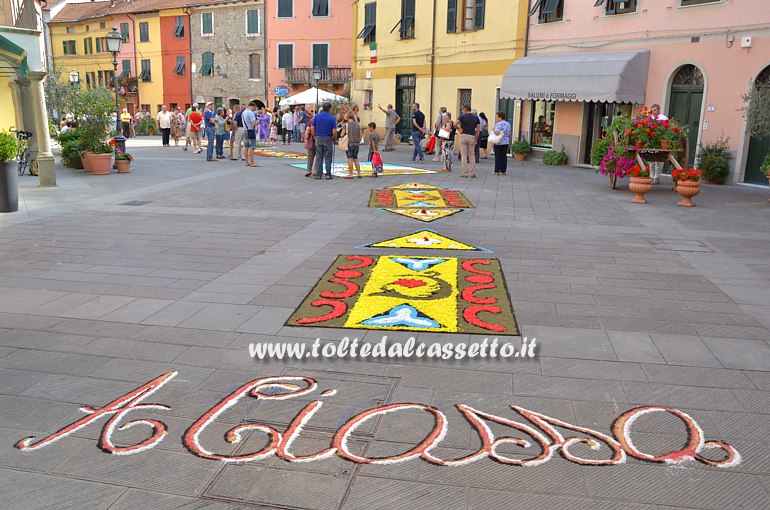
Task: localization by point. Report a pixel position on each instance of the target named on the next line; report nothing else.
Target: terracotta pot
(519, 157)
(101, 163)
(687, 189)
(123, 166)
(86, 158)
(640, 186)
(665, 145)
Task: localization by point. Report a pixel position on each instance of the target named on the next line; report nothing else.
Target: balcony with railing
(302, 75)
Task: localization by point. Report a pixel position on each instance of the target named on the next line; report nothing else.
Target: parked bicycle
(22, 156)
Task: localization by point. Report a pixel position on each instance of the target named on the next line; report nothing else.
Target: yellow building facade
(149, 60)
(82, 46)
(437, 53)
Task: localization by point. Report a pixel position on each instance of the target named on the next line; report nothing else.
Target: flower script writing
(540, 431)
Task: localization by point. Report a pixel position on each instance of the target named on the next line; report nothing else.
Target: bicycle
(22, 156)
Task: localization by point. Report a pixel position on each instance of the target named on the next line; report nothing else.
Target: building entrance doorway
(686, 103)
(758, 147)
(405, 94)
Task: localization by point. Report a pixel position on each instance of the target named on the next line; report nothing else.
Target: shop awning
(13, 53)
(606, 76)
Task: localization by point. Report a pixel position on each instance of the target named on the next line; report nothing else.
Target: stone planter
(101, 163)
(123, 166)
(86, 159)
(687, 189)
(9, 187)
(640, 186)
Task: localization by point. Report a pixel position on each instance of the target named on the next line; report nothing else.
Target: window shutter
(285, 8)
(208, 23)
(252, 21)
(98, 45)
(66, 47)
(451, 17)
(480, 10)
(73, 48)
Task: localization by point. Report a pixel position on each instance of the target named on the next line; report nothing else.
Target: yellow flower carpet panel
(392, 293)
(425, 240)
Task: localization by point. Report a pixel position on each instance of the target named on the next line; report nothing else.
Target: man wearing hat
(209, 118)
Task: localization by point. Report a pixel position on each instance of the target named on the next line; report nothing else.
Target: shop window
(620, 6)
(543, 115)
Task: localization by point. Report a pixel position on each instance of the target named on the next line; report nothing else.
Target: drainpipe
(526, 50)
(432, 60)
(188, 12)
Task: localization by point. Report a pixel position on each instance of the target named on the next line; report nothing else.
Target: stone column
(45, 160)
(16, 95)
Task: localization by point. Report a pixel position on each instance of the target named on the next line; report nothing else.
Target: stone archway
(686, 103)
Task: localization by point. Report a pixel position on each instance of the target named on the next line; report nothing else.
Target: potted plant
(9, 173)
(521, 149)
(123, 161)
(101, 159)
(555, 158)
(71, 149)
(616, 163)
(714, 160)
(641, 183)
(687, 184)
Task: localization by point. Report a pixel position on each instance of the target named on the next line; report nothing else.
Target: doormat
(419, 198)
(434, 294)
(425, 240)
(341, 169)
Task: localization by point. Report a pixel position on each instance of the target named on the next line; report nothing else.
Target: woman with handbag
(484, 136)
(310, 146)
(501, 138)
(349, 142)
(447, 136)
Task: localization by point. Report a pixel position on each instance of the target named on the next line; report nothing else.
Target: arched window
(689, 76)
(763, 80)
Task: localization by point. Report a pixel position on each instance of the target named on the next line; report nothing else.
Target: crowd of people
(237, 130)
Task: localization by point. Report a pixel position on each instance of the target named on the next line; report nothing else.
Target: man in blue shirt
(249, 119)
(209, 118)
(418, 130)
(324, 129)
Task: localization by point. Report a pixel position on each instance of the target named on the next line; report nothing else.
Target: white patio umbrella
(309, 97)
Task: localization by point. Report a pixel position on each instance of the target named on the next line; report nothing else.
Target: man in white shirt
(164, 125)
(288, 126)
(656, 168)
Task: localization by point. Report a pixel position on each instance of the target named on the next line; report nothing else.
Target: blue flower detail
(402, 315)
(417, 264)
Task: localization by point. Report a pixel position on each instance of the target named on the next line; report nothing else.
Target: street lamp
(74, 77)
(317, 75)
(114, 43)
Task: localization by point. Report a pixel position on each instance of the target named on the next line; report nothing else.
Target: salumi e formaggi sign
(538, 430)
(552, 96)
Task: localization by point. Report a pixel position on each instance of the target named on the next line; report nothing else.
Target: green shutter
(285, 56)
(285, 9)
(320, 55)
(208, 23)
(98, 45)
(451, 17)
(66, 47)
(480, 9)
(73, 48)
(252, 21)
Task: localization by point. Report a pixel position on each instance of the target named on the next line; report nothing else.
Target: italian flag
(373, 53)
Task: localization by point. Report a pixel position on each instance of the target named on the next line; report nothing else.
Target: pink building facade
(702, 56)
(307, 34)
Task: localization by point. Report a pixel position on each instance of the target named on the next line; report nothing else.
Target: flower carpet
(421, 198)
(434, 294)
(341, 169)
(425, 240)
